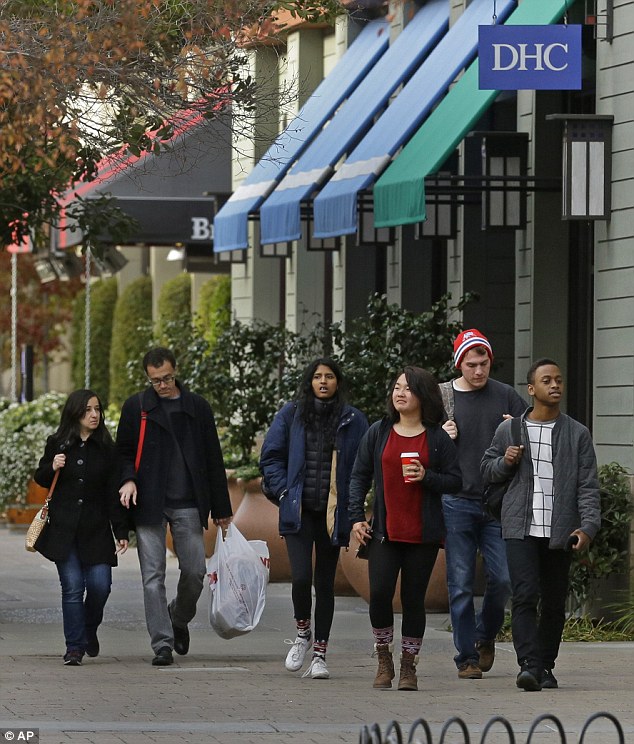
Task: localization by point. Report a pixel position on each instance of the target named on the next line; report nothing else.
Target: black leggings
(300, 553)
(415, 562)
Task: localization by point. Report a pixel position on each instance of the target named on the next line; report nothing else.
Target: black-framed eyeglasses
(158, 381)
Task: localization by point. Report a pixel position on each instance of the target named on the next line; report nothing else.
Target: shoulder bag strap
(139, 449)
(446, 390)
(49, 495)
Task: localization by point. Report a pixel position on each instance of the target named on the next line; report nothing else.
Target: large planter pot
(436, 598)
(36, 494)
(257, 519)
(20, 516)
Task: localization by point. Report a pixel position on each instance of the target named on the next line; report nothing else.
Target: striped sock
(303, 628)
(383, 636)
(319, 648)
(411, 645)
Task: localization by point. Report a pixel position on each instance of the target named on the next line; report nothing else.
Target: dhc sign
(530, 57)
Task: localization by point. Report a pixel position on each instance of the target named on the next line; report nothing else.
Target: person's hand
(58, 462)
(583, 540)
(122, 546)
(223, 522)
(127, 494)
(513, 454)
(414, 472)
(362, 531)
(451, 429)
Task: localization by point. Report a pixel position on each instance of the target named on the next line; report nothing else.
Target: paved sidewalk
(238, 692)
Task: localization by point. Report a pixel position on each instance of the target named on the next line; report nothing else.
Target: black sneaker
(528, 679)
(548, 680)
(181, 637)
(92, 647)
(163, 657)
(73, 658)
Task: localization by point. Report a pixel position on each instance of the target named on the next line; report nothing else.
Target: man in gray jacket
(552, 505)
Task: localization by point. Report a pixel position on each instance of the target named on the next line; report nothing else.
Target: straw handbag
(40, 520)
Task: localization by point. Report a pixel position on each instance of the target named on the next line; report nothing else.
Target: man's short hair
(157, 357)
(543, 362)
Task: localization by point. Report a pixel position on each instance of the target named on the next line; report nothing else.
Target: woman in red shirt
(412, 462)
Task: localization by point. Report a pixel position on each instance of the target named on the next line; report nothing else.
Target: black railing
(420, 731)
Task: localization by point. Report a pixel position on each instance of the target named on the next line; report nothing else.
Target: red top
(404, 520)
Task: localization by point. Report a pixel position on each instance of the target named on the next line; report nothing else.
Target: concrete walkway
(238, 691)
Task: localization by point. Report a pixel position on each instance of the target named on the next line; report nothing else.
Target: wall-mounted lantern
(441, 208)
(276, 250)
(318, 244)
(367, 234)
(504, 158)
(587, 165)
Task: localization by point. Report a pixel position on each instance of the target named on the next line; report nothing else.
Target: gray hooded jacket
(577, 503)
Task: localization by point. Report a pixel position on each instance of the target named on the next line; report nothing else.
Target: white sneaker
(317, 669)
(297, 654)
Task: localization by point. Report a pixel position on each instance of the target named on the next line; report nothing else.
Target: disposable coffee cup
(406, 459)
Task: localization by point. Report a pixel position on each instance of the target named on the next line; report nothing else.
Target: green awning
(399, 195)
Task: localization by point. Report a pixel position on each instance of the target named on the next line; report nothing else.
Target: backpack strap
(516, 430)
(139, 449)
(446, 390)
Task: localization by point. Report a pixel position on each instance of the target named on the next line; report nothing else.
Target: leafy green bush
(255, 367)
(214, 308)
(609, 550)
(174, 308)
(24, 428)
(131, 338)
(375, 346)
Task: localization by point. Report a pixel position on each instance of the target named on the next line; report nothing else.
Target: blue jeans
(85, 591)
(469, 530)
(187, 533)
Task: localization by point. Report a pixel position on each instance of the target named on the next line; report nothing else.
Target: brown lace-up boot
(385, 672)
(407, 680)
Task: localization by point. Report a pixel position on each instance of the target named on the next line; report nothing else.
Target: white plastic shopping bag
(238, 573)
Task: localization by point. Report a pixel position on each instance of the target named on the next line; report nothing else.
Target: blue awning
(230, 227)
(335, 208)
(280, 214)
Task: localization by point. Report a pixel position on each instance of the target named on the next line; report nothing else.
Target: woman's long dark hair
(424, 386)
(74, 410)
(305, 398)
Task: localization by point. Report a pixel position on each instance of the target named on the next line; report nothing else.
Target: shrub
(608, 551)
(214, 308)
(174, 307)
(255, 367)
(24, 428)
(131, 338)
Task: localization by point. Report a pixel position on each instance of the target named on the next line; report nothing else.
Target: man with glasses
(173, 473)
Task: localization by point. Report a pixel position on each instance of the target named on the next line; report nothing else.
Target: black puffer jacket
(85, 508)
(319, 446)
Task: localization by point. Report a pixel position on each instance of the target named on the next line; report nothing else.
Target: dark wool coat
(85, 508)
(195, 430)
(442, 476)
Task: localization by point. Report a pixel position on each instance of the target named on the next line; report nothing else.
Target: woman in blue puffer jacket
(306, 462)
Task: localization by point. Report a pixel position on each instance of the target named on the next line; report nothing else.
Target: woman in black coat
(84, 512)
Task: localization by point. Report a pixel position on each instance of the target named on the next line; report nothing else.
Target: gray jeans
(187, 533)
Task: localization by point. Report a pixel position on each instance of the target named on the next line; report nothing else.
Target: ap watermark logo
(20, 734)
